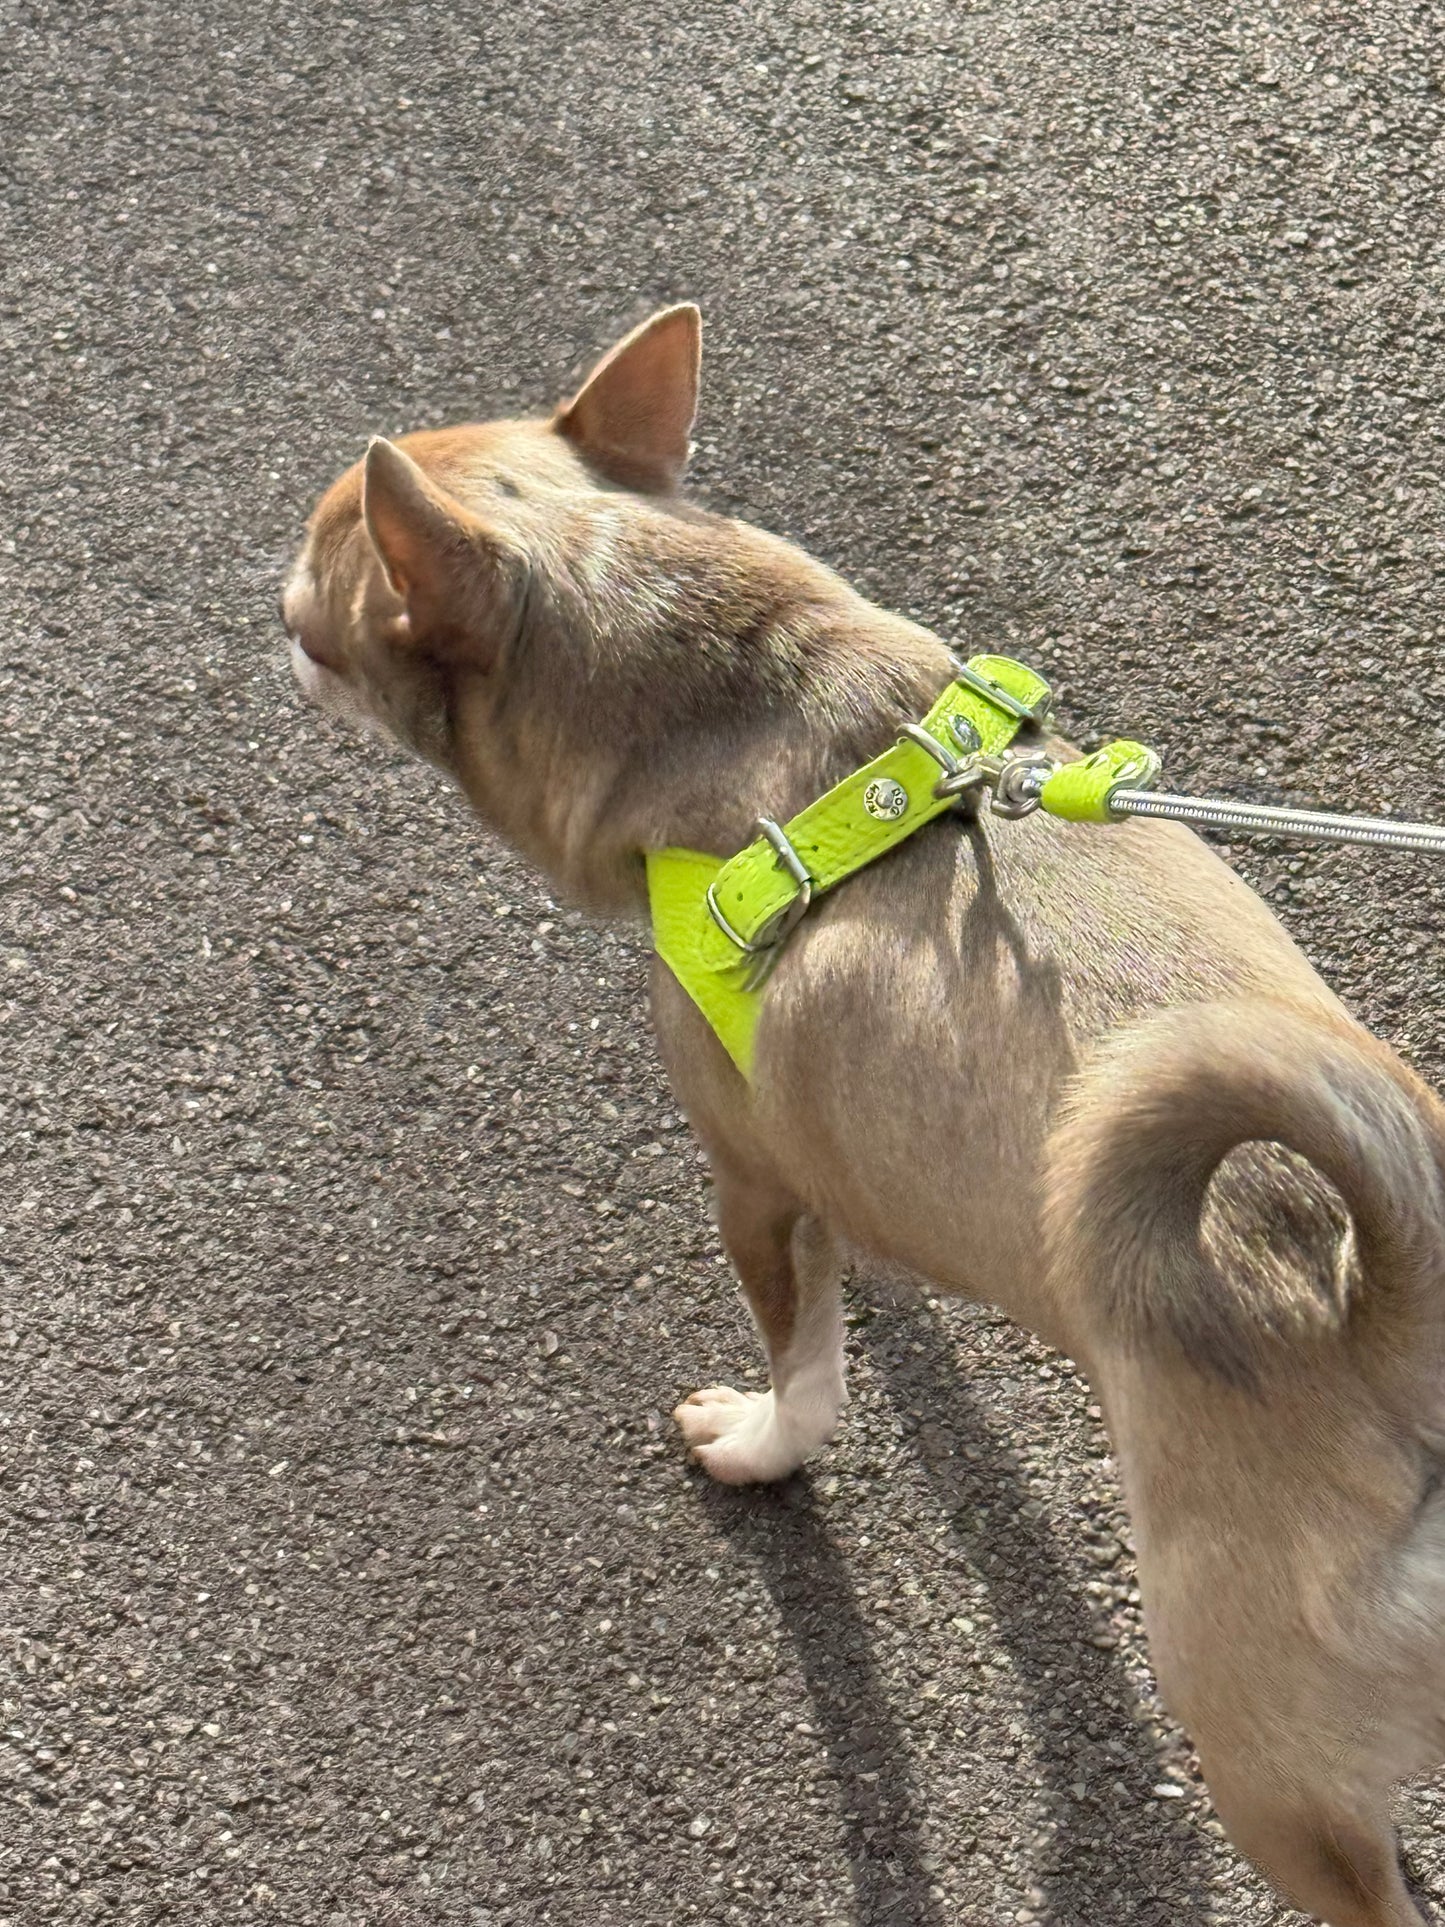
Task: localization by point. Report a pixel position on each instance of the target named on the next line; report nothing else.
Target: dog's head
(420, 561)
(604, 668)
(488, 594)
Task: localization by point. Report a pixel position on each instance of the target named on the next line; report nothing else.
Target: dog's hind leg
(1342, 1867)
(791, 1276)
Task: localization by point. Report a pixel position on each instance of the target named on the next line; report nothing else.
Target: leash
(720, 924)
(1113, 784)
(1264, 819)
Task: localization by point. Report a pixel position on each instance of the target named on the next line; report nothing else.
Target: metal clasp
(764, 948)
(1020, 782)
(1015, 778)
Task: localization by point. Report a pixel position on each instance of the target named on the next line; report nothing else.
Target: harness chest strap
(716, 921)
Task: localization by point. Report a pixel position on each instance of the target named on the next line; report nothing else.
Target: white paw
(744, 1438)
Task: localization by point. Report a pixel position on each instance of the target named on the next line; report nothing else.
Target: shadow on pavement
(1151, 1846)
(1153, 1875)
(780, 1531)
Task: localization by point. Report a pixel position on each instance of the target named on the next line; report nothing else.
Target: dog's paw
(736, 1436)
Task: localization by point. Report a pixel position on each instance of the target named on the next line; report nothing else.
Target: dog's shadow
(1152, 1850)
(779, 1530)
(1080, 1712)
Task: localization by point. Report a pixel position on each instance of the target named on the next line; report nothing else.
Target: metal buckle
(960, 773)
(719, 918)
(995, 693)
(926, 740)
(764, 948)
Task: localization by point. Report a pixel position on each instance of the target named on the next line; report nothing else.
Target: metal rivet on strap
(885, 799)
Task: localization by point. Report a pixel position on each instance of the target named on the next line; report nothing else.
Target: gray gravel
(353, 1252)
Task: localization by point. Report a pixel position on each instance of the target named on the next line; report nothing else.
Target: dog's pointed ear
(632, 417)
(457, 576)
(416, 528)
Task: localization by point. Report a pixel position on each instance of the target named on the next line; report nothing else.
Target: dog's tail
(1147, 1126)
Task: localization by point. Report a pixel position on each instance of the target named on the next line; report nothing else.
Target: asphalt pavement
(352, 1251)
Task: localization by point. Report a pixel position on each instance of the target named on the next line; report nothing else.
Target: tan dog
(1018, 1058)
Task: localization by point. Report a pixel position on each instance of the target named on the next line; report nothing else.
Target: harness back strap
(718, 924)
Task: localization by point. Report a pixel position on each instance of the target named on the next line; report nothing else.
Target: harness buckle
(960, 773)
(1037, 712)
(765, 947)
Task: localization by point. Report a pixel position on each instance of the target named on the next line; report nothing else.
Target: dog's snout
(286, 607)
(297, 610)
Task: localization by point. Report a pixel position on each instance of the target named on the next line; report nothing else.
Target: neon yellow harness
(719, 925)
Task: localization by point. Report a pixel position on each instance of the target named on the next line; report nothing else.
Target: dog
(1079, 1072)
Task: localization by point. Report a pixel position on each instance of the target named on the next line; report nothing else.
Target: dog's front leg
(791, 1275)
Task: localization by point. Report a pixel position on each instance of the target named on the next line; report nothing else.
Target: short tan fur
(1079, 1072)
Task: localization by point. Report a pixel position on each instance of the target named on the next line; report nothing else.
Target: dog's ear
(632, 417)
(459, 578)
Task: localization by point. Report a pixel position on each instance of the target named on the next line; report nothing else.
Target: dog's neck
(718, 676)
